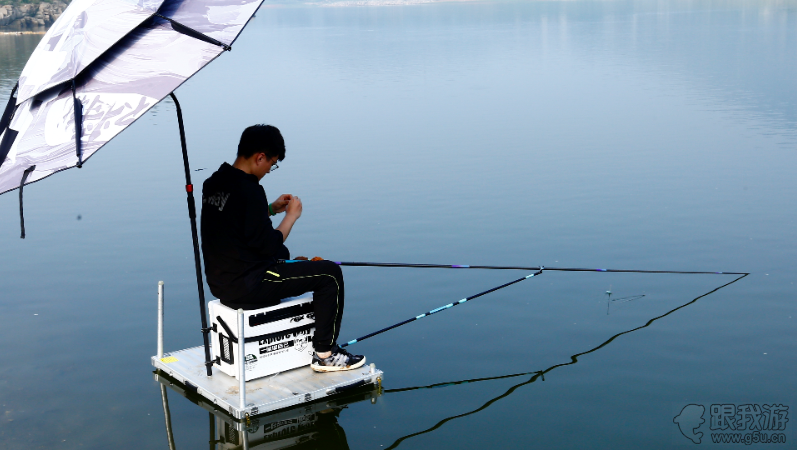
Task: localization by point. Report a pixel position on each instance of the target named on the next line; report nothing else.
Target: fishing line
(442, 308)
(610, 301)
(628, 299)
(534, 375)
(559, 269)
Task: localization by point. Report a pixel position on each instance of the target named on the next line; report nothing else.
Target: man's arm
(293, 211)
(259, 233)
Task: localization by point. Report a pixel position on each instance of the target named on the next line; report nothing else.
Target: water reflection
(533, 376)
(306, 426)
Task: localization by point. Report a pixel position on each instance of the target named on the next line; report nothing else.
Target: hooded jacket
(239, 241)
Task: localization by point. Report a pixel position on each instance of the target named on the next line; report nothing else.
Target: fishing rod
(559, 269)
(437, 310)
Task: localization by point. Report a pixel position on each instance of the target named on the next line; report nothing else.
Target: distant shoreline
(17, 17)
(11, 33)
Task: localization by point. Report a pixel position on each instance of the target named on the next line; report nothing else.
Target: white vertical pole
(160, 319)
(241, 360)
(245, 438)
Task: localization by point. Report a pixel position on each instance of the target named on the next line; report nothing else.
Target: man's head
(262, 139)
(260, 148)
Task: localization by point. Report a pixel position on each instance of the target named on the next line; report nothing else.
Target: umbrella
(83, 96)
(101, 66)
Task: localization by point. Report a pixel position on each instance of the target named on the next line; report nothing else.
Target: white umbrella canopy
(85, 30)
(62, 125)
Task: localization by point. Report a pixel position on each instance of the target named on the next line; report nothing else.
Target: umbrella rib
(21, 211)
(78, 125)
(6, 132)
(188, 31)
(8, 113)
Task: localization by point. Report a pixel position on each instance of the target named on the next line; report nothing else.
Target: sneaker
(340, 359)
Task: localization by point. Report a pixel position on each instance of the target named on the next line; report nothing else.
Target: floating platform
(311, 424)
(264, 395)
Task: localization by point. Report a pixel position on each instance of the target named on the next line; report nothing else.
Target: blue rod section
(442, 308)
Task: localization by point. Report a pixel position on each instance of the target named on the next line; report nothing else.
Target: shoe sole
(336, 368)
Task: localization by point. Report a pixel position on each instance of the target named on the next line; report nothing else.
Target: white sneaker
(339, 360)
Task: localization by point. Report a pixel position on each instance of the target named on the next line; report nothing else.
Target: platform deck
(263, 395)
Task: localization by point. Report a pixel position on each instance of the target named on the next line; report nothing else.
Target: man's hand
(282, 203)
(294, 207)
(292, 213)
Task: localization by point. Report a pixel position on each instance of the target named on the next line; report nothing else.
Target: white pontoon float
(243, 399)
(277, 430)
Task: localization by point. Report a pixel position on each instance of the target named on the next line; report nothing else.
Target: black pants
(324, 278)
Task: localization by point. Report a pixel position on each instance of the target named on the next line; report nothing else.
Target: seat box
(277, 338)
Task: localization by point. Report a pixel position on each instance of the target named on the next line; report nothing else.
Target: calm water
(653, 135)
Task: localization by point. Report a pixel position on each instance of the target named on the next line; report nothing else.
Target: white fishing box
(277, 338)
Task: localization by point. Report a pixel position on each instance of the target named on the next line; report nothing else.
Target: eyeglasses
(274, 167)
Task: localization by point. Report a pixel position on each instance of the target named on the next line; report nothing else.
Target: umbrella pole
(189, 189)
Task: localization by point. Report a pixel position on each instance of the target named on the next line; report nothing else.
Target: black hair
(262, 138)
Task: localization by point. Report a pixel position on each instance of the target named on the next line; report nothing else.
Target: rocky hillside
(16, 15)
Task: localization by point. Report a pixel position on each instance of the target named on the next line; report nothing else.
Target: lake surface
(619, 134)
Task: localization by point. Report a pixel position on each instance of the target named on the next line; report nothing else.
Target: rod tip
(160, 283)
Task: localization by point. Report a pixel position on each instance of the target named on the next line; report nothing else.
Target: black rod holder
(189, 190)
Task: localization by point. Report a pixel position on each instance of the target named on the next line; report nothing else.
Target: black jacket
(238, 240)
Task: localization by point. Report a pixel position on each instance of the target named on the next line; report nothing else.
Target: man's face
(262, 164)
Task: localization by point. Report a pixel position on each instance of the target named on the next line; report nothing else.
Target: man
(242, 249)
